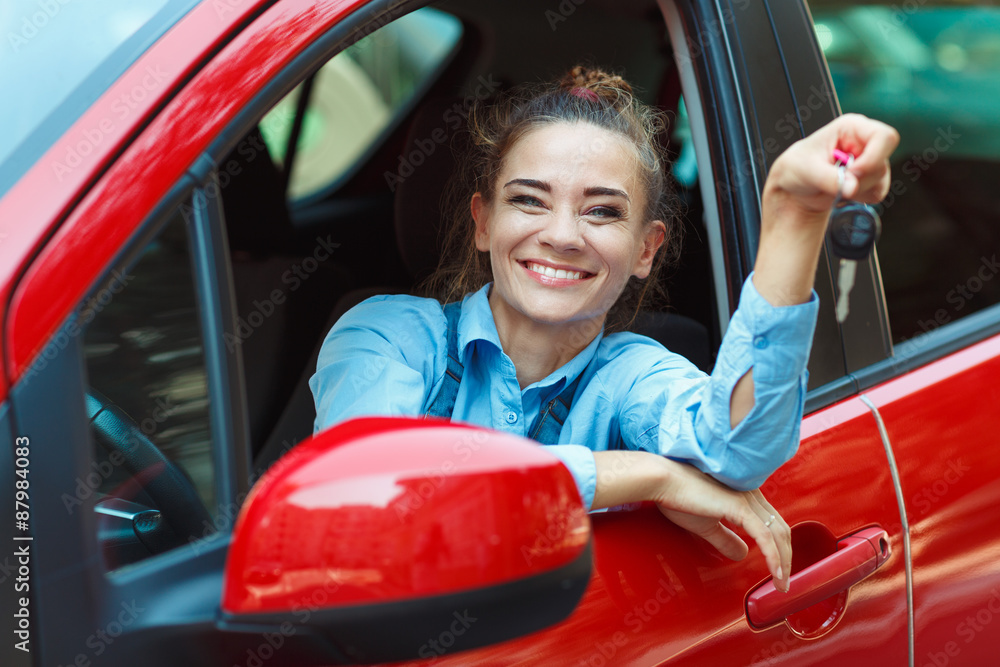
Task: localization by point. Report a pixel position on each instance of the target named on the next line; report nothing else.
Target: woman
(562, 227)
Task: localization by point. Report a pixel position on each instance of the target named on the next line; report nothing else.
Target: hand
(696, 502)
(807, 171)
(799, 193)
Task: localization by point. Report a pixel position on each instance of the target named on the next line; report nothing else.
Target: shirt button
(760, 343)
(511, 417)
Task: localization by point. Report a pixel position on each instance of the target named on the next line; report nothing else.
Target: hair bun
(596, 80)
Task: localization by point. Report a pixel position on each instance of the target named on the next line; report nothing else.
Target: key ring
(844, 161)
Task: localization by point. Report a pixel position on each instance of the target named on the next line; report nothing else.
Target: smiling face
(564, 226)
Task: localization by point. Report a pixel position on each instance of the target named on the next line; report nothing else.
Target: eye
(605, 213)
(525, 200)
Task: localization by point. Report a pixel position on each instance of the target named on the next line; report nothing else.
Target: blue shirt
(388, 355)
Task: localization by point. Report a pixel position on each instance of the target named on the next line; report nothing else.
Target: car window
(144, 354)
(357, 96)
(929, 70)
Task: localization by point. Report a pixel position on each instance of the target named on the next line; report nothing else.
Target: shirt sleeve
(580, 462)
(370, 365)
(689, 418)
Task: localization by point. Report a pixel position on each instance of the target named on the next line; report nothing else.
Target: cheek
(617, 250)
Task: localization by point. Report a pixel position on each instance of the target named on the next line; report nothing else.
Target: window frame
(400, 114)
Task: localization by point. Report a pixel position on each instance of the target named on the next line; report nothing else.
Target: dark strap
(444, 403)
(550, 421)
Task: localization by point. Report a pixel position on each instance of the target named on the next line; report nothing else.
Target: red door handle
(856, 557)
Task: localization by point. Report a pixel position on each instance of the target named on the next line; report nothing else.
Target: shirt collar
(476, 323)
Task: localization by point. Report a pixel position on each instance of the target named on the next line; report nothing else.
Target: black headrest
(253, 195)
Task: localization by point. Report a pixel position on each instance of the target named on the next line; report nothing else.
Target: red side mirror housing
(373, 535)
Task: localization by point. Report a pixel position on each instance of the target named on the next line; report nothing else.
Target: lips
(557, 273)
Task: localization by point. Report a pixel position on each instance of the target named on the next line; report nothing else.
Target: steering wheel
(184, 515)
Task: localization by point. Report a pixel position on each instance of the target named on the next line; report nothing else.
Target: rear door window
(358, 96)
(931, 71)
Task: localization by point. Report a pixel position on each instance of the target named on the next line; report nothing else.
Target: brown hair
(582, 95)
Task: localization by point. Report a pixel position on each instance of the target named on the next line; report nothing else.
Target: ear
(653, 237)
(480, 213)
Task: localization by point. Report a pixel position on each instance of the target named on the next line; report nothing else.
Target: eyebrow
(531, 183)
(596, 191)
(607, 192)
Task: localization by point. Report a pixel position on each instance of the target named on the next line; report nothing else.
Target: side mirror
(387, 539)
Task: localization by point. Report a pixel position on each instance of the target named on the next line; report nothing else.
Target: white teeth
(555, 273)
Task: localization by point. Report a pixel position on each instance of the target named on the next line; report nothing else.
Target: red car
(192, 191)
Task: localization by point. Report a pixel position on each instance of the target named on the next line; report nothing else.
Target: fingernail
(779, 574)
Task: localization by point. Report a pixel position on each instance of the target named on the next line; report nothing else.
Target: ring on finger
(770, 520)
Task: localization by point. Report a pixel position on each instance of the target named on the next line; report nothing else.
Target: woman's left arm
(798, 195)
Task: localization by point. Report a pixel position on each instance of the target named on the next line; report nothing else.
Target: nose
(563, 231)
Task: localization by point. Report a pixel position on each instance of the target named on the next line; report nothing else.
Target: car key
(852, 232)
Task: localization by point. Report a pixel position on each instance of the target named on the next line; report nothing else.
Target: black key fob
(853, 230)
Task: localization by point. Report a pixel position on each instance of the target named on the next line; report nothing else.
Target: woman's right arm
(697, 503)
(370, 365)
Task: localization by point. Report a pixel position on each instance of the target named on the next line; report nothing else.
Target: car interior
(384, 212)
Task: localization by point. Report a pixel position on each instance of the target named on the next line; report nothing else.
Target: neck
(539, 348)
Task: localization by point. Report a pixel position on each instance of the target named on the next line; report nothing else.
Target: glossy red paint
(381, 510)
(110, 212)
(28, 217)
(659, 594)
(941, 421)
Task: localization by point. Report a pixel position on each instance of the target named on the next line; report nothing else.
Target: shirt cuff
(580, 461)
(779, 337)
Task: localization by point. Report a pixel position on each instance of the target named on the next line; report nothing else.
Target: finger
(877, 140)
(873, 142)
(726, 541)
(779, 531)
(782, 535)
(766, 541)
